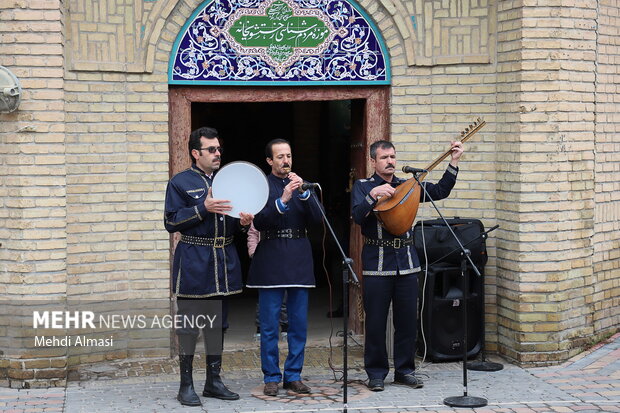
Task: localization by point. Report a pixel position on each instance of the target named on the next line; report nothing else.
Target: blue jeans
(270, 301)
(283, 316)
(402, 292)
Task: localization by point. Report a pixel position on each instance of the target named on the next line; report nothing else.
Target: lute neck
(465, 135)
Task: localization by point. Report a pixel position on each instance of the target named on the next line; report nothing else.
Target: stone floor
(589, 382)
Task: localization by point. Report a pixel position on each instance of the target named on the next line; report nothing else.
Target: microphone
(410, 170)
(308, 185)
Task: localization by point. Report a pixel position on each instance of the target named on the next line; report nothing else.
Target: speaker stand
(483, 364)
(464, 400)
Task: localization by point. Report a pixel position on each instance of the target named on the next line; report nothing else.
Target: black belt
(394, 243)
(217, 242)
(283, 233)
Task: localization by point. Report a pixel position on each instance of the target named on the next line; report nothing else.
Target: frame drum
(244, 185)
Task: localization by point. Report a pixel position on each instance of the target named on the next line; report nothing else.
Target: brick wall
(508, 161)
(547, 57)
(84, 168)
(117, 170)
(606, 288)
(33, 228)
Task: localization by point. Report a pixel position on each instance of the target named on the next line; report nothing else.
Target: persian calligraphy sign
(277, 34)
(273, 41)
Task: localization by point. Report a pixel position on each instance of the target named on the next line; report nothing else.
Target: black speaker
(442, 314)
(437, 244)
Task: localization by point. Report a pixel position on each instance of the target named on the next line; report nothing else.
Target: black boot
(214, 386)
(187, 395)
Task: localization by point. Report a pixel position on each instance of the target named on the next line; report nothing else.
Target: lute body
(397, 213)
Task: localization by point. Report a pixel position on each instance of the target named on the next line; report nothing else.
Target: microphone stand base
(484, 366)
(465, 401)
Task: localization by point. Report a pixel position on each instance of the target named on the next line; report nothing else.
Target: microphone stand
(465, 400)
(346, 270)
(483, 364)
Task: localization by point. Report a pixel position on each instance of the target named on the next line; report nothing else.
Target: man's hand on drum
(245, 218)
(217, 206)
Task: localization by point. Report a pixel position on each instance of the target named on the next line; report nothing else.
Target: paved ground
(588, 383)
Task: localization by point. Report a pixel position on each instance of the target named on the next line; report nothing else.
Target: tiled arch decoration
(271, 42)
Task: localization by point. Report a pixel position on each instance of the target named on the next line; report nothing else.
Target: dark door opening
(320, 136)
(370, 115)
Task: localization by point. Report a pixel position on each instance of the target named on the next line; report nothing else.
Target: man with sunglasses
(390, 266)
(206, 266)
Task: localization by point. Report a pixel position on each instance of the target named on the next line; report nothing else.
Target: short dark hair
(194, 139)
(382, 145)
(269, 146)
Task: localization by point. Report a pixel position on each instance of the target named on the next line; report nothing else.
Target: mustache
(390, 166)
(285, 165)
(217, 158)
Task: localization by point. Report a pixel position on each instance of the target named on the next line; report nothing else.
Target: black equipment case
(441, 245)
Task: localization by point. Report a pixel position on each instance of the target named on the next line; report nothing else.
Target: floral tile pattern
(279, 42)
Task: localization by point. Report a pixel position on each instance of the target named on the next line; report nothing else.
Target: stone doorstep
(244, 357)
(233, 360)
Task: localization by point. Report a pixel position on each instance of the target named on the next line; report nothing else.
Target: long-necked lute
(398, 212)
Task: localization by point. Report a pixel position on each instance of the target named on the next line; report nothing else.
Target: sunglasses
(212, 149)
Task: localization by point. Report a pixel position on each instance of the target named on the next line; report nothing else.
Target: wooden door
(370, 123)
(358, 149)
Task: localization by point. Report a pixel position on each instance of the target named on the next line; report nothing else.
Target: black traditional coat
(377, 260)
(284, 262)
(200, 271)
